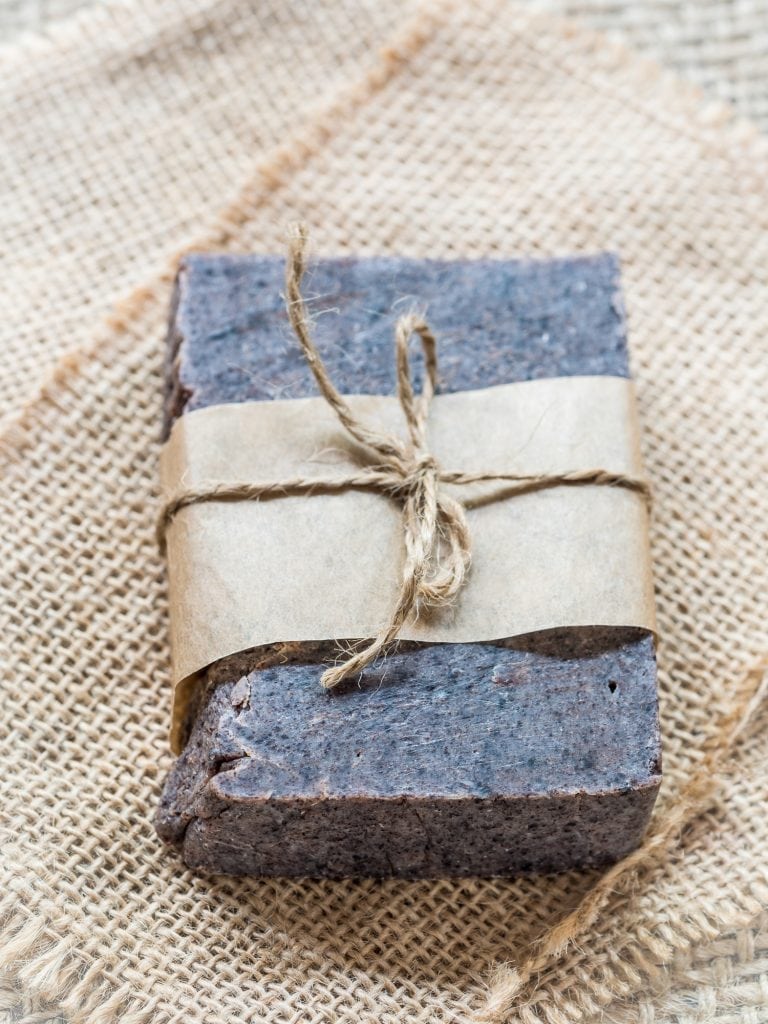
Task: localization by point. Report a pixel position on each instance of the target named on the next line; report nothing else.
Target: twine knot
(435, 532)
(425, 467)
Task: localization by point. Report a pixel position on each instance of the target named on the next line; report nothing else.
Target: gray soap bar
(533, 754)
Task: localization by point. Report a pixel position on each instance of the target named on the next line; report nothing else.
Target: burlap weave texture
(439, 129)
(720, 44)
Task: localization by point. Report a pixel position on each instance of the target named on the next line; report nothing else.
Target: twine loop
(436, 534)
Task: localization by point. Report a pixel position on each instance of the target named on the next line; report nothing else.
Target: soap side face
(554, 734)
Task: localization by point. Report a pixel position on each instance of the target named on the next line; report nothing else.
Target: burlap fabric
(720, 44)
(432, 129)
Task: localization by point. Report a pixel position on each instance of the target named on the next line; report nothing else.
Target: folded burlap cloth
(439, 129)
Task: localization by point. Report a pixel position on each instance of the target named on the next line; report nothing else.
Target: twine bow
(435, 531)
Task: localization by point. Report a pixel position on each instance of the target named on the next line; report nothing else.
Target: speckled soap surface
(538, 753)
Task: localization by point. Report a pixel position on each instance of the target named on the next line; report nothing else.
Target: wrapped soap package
(515, 730)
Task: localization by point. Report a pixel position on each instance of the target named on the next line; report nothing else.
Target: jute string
(437, 539)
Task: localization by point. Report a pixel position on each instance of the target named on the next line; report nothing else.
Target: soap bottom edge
(407, 838)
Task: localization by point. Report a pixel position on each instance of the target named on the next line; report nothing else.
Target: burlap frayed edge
(666, 832)
(722, 981)
(53, 972)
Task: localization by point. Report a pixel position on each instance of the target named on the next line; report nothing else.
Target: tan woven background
(429, 129)
(720, 44)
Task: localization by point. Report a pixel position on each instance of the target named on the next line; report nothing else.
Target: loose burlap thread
(532, 139)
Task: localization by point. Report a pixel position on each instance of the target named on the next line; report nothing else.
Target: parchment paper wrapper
(325, 567)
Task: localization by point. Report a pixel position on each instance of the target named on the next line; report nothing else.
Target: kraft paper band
(326, 566)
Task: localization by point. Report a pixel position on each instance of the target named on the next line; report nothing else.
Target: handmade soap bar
(533, 754)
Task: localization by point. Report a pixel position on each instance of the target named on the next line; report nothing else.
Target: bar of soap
(539, 753)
